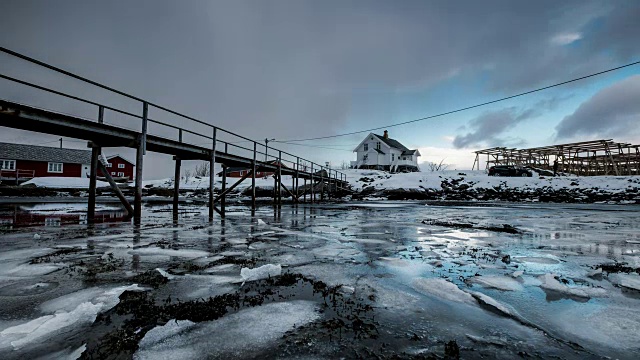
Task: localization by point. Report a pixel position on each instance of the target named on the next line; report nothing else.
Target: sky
(295, 69)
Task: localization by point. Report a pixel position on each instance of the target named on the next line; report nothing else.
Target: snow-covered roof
(11, 151)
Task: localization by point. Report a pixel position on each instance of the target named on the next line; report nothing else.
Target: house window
(120, 166)
(108, 164)
(366, 147)
(241, 172)
(113, 173)
(120, 174)
(393, 157)
(7, 165)
(378, 145)
(54, 167)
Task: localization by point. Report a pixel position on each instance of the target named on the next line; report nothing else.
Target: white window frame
(378, 145)
(11, 168)
(120, 166)
(120, 174)
(393, 157)
(108, 164)
(366, 147)
(113, 173)
(52, 167)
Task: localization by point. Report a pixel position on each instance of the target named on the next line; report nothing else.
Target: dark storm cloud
(613, 111)
(486, 127)
(291, 68)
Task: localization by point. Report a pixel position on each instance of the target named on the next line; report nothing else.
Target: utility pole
(266, 147)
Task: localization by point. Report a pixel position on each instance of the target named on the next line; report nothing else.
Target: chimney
(386, 134)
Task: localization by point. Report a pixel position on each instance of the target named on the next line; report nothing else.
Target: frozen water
(43, 327)
(629, 281)
(244, 334)
(262, 272)
(498, 282)
(443, 289)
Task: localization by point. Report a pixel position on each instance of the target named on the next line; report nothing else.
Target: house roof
(392, 142)
(409, 152)
(10, 151)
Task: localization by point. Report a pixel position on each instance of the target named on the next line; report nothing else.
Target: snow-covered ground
(57, 182)
(479, 179)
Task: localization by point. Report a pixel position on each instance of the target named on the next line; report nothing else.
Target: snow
(489, 301)
(262, 272)
(56, 182)
(240, 335)
(202, 182)
(480, 179)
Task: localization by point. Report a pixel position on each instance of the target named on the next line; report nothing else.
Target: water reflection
(56, 215)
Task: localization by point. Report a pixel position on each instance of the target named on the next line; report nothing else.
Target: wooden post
(279, 176)
(304, 195)
(313, 185)
(95, 154)
(140, 151)
(223, 199)
(91, 208)
(321, 183)
(212, 172)
(297, 174)
(253, 178)
(176, 177)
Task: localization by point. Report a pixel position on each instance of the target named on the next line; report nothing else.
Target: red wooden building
(119, 167)
(19, 162)
(237, 172)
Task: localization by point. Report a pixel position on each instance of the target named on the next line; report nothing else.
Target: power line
(315, 146)
(468, 107)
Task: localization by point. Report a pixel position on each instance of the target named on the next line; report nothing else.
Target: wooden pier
(221, 146)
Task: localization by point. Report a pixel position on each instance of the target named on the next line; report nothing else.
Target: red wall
(114, 161)
(41, 167)
(259, 174)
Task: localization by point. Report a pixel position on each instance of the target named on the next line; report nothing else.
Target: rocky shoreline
(460, 189)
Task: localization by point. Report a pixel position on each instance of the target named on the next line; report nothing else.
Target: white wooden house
(384, 153)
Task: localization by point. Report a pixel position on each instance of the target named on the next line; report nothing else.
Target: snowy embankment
(63, 183)
(477, 185)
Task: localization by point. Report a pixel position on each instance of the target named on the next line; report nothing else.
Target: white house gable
(382, 152)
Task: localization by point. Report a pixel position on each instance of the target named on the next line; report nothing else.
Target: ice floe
(442, 289)
(243, 334)
(262, 272)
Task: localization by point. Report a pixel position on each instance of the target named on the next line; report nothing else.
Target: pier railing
(198, 132)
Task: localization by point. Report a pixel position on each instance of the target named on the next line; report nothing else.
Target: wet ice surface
(541, 293)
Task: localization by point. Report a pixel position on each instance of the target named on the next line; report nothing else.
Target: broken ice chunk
(262, 272)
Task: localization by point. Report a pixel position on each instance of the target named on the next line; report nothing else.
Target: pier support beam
(253, 178)
(91, 208)
(212, 173)
(176, 183)
(140, 151)
(223, 198)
